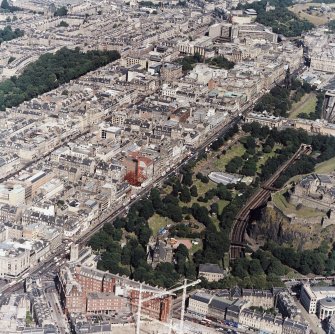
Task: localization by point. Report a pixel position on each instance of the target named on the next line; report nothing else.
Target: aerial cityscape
(167, 166)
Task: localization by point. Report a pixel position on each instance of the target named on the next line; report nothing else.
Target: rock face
(275, 226)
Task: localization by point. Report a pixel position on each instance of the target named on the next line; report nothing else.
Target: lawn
(299, 10)
(236, 151)
(156, 222)
(263, 159)
(216, 222)
(222, 204)
(306, 105)
(197, 247)
(203, 187)
(326, 167)
(280, 201)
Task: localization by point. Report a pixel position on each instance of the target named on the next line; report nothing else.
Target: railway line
(260, 197)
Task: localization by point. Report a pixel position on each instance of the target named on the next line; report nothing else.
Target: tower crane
(178, 329)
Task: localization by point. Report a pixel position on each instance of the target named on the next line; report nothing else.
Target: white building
(13, 261)
(318, 300)
(12, 195)
(199, 303)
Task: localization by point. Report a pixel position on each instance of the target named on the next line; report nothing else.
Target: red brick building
(139, 168)
(86, 290)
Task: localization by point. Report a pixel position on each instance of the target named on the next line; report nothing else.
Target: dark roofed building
(212, 272)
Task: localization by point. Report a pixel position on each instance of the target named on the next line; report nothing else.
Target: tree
(194, 191)
(99, 240)
(156, 200)
(249, 142)
(176, 188)
(199, 176)
(63, 24)
(200, 213)
(182, 250)
(240, 268)
(221, 62)
(166, 273)
(255, 267)
(185, 195)
(137, 255)
(215, 208)
(276, 268)
(119, 222)
(223, 193)
(234, 165)
(205, 179)
(61, 11)
(174, 212)
(144, 235)
(187, 178)
(117, 234)
(146, 209)
(190, 270)
(125, 255)
(181, 257)
(5, 4)
(249, 168)
(108, 228)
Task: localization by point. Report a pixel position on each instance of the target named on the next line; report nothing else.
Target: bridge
(237, 234)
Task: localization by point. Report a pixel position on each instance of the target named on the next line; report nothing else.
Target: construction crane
(159, 294)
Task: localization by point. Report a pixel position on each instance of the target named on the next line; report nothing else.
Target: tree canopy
(49, 72)
(7, 34)
(5, 6)
(61, 11)
(281, 19)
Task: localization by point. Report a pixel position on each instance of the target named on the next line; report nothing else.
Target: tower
(74, 253)
(328, 108)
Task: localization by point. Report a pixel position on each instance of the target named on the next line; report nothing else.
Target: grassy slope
(326, 167)
(306, 105)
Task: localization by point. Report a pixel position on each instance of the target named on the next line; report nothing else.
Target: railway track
(237, 234)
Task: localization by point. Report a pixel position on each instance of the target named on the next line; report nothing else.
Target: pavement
(163, 328)
(312, 319)
(56, 312)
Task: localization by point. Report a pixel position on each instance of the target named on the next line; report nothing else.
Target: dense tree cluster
(331, 25)
(5, 6)
(63, 24)
(49, 72)
(279, 100)
(228, 135)
(247, 164)
(131, 259)
(282, 20)
(188, 62)
(262, 262)
(221, 62)
(8, 34)
(61, 11)
(276, 102)
(324, 1)
(149, 4)
(261, 271)
(317, 261)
